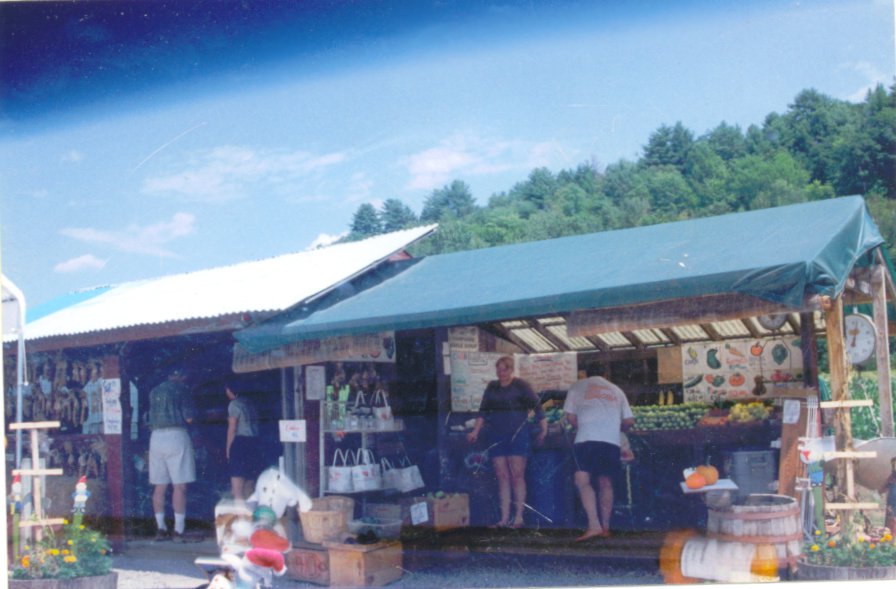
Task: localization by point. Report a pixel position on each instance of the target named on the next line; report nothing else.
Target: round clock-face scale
(861, 336)
(772, 322)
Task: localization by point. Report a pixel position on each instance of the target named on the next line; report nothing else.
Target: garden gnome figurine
(80, 495)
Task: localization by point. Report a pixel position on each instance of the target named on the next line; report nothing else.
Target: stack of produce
(666, 417)
(748, 412)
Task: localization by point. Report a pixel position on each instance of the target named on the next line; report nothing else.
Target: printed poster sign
(111, 391)
(715, 371)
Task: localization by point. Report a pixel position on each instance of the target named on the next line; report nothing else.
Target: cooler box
(753, 472)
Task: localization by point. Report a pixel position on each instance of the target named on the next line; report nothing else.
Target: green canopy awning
(782, 255)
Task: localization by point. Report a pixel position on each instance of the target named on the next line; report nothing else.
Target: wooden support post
(839, 387)
(882, 348)
(115, 467)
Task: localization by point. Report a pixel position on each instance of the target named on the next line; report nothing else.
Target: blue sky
(150, 143)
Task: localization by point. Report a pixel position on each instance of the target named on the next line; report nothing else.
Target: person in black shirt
(503, 416)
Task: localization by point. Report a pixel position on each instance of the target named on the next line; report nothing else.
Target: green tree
(668, 146)
(454, 200)
(396, 215)
(769, 177)
(728, 142)
(366, 222)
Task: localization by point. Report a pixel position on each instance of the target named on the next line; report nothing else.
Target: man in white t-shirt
(599, 410)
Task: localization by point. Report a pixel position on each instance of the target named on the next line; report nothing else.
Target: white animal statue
(277, 491)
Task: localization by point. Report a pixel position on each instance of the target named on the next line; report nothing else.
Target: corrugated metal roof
(268, 285)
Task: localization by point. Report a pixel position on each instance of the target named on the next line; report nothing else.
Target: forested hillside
(819, 148)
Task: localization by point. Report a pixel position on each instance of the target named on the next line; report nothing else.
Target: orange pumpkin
(695, 480)
(709, 472)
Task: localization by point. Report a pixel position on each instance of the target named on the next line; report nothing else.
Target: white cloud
(871, 73)
(80, 264)
(72, 156)
(233, 172)
(150, 239)
(325, 239)
(360, 188)
(471, 155)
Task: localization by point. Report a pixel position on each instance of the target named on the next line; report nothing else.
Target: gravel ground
(151, 565)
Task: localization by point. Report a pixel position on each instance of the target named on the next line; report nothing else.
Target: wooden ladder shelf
(35, 473)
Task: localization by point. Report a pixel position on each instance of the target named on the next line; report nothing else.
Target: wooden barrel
(761, 519)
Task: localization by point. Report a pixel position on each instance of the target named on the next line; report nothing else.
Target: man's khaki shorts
(171, 457)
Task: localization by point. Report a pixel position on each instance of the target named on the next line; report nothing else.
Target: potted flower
(842, 557)
(73, 557)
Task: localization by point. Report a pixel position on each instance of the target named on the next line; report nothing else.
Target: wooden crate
(308, 562)
(364, 565)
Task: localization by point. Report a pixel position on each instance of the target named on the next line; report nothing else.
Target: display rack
(336, 419)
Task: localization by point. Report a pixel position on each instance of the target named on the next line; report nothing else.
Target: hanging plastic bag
(409, 477)
(366, 473)
(382, 411)
(339, 475)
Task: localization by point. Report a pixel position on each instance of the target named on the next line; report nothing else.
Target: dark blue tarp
(782, 255)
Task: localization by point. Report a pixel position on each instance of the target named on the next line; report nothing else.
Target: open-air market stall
(720, 311)
(93, 357)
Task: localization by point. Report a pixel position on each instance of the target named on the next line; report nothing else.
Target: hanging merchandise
(409, 477)
(366, 473)
(390, 474)
(340, 474)
(382, 411)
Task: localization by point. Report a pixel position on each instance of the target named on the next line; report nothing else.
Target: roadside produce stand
(738, 324)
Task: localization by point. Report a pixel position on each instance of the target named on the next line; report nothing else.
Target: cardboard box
(445, 513)
(364, 565)
(308, 562)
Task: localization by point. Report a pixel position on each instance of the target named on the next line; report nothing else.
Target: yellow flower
(64, 552)
(54, 551)
(832, 544)
(860, 538)
(70, 542)
(815, 548)
(65, 522)
(871, 546)
(818, 532)
(26, 561)
(81, 527)
(71, 558)
(887, 538)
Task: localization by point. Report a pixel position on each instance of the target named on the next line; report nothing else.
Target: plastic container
(386, 529)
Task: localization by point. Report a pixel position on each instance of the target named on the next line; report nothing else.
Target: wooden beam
(853, 506)
(546, 334)
(839, 388)
(675, 312)
(846, 403)
(882, 348)
(711, 332)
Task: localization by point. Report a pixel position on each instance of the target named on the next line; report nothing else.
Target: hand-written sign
(470, 374)
(547, 371)
(472, 371)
